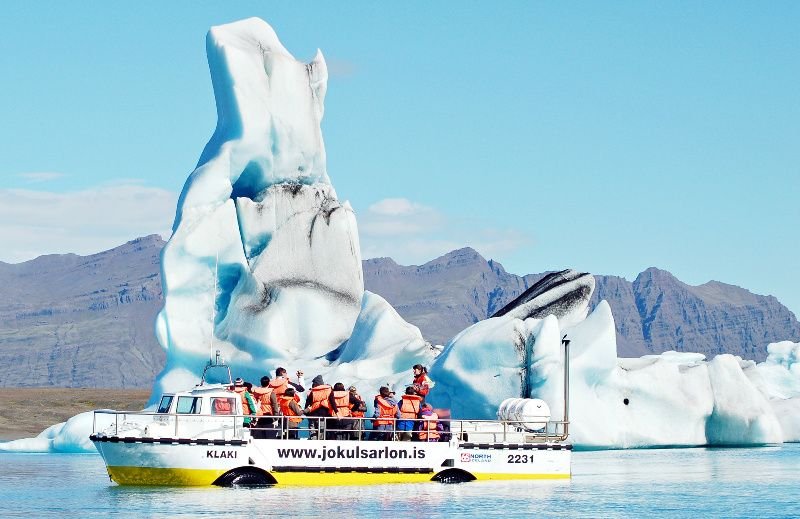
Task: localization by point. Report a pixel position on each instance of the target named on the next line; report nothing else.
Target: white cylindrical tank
(531, 413)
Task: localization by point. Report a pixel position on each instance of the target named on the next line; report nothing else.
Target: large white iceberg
(264, 264)
(672, 399)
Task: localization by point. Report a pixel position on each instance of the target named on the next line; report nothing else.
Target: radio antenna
(214, 308)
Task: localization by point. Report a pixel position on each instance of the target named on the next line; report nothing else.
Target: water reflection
(719, 482)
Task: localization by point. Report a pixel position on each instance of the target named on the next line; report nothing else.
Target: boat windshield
(188, 405)
(166, 401)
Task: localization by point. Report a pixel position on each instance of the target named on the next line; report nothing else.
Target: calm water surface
(762, 482)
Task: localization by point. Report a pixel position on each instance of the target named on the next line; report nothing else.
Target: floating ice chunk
(69, 436)
(742, 416)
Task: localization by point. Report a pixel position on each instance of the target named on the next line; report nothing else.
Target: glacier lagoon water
(762, 482)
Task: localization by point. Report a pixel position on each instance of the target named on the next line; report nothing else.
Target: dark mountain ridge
(88, 321)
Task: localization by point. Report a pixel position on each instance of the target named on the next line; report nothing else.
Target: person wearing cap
(422, 381)
(248, 403)
(386, 412)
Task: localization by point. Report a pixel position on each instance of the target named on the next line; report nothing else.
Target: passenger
(409, 405)
(268, 408)
(386, 412)
(430, 428)
(321, 404)
(281, 382)
(291, 412)
(248, 403)
(422, 381)
(345, 403)
(358, 411)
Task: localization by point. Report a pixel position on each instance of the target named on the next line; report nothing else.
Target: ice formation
(262, 244)
(259, 222)
(671, 399)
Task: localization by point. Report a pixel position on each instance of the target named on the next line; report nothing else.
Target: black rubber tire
(451, 477)
(245, 478)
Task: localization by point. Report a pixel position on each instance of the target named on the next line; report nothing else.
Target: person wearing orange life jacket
(292, 413)
(320, 403)
(386, 411)
(281, 382)
(359, 409)
(345, 403)
(430, 429)
(267, 401)
(248, 403)
(410, 405)
(422, 382)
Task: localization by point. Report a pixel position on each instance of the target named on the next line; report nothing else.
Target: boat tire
(245, 477)
(453, 476)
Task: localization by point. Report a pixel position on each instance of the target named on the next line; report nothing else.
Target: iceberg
(264, 265)
(667, 400)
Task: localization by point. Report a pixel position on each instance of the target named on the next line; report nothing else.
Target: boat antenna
(213, 310)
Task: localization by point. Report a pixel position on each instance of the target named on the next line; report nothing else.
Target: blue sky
(603, 137)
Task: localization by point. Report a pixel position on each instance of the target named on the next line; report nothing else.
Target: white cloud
(40, 176)
(35, 222)
(397, 207)
(413, 233)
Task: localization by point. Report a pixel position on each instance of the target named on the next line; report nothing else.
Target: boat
(199, 437)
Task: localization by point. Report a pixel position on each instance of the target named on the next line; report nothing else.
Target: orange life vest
(429, 433)
(342, 399)
(262, 396)
(320, 398)
(241, 391)
(279, 385)
(386, 412)
(409, 406)
(287, 411)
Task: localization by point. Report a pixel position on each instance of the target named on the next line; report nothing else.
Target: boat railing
(225, 427)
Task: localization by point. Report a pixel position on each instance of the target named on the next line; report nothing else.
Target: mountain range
(87, 321)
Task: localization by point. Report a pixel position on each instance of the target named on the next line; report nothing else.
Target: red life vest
(279, 385)
(429, 432)
(287, 411)
(423, 383)
(262, 396)
(320, 398)
(342, 399)
(409, 406)
(386, 412)
(241, 391)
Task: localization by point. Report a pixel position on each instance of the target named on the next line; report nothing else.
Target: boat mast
(213, 310)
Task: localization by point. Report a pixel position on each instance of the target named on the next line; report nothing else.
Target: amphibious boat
(199, 437)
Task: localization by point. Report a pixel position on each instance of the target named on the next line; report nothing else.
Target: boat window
(188, 405)
(166, 401)
(223, 405)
